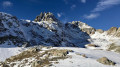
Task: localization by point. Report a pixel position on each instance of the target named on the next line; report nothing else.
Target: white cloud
(101, 6)
(7, 4)
(91, 16)
(73, 6)
(59, 14)
(104, 4)
(83, 1)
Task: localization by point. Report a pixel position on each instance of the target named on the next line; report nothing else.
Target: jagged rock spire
(46, 17)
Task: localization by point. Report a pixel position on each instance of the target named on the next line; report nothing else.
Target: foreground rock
(114, 47)
(2, 64)
(92, 46)
(105, 61)
(37, 57)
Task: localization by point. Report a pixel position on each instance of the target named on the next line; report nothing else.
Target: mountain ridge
(48, 30)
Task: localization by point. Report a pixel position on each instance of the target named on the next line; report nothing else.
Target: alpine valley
(48, 42)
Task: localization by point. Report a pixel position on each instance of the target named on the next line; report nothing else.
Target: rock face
(9, 30)
(118, 32)
(99, 30)
(46, 17)
(83, 27)
(105, 61)
(112, 31)
(114, 47)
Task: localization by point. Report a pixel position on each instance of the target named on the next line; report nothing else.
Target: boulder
(2, 64)
(59, 53)
(90, 45)
(105, 61)
(41, 63)
(84, 56)
(114, 47)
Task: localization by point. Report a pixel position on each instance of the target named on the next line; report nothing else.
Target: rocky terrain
(48, 42)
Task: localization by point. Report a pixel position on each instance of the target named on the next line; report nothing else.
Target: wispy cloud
(83, 1)
(91, 16)
(101, 6)
(6, 4)
(105, 4)
(59, 14)
(73, 6)
(70, 1)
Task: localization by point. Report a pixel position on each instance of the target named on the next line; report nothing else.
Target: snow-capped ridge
(83, 26)
(43, 31)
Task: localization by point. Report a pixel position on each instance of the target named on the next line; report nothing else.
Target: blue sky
(100, 14)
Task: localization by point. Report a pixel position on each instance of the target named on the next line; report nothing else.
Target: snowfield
(76, 59)
(6, 52)
(90, 61)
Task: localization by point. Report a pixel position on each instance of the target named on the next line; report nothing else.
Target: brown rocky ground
(36, 57)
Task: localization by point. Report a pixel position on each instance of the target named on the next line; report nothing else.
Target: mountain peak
(46, 17)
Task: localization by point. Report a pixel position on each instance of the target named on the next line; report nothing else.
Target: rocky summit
(46, 17)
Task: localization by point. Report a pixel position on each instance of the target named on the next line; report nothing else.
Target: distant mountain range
(47, 30)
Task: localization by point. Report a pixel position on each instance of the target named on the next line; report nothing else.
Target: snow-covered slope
(46, 30)
(8, 52)
(91, 61)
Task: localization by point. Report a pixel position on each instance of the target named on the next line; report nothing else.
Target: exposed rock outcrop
(46, 17)
(99, 30)
(105, 61)
(90, 45)
(112, 31)
(84, 27)
(40, 57)
(118, 32)
(114, 47)
(2, 64)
